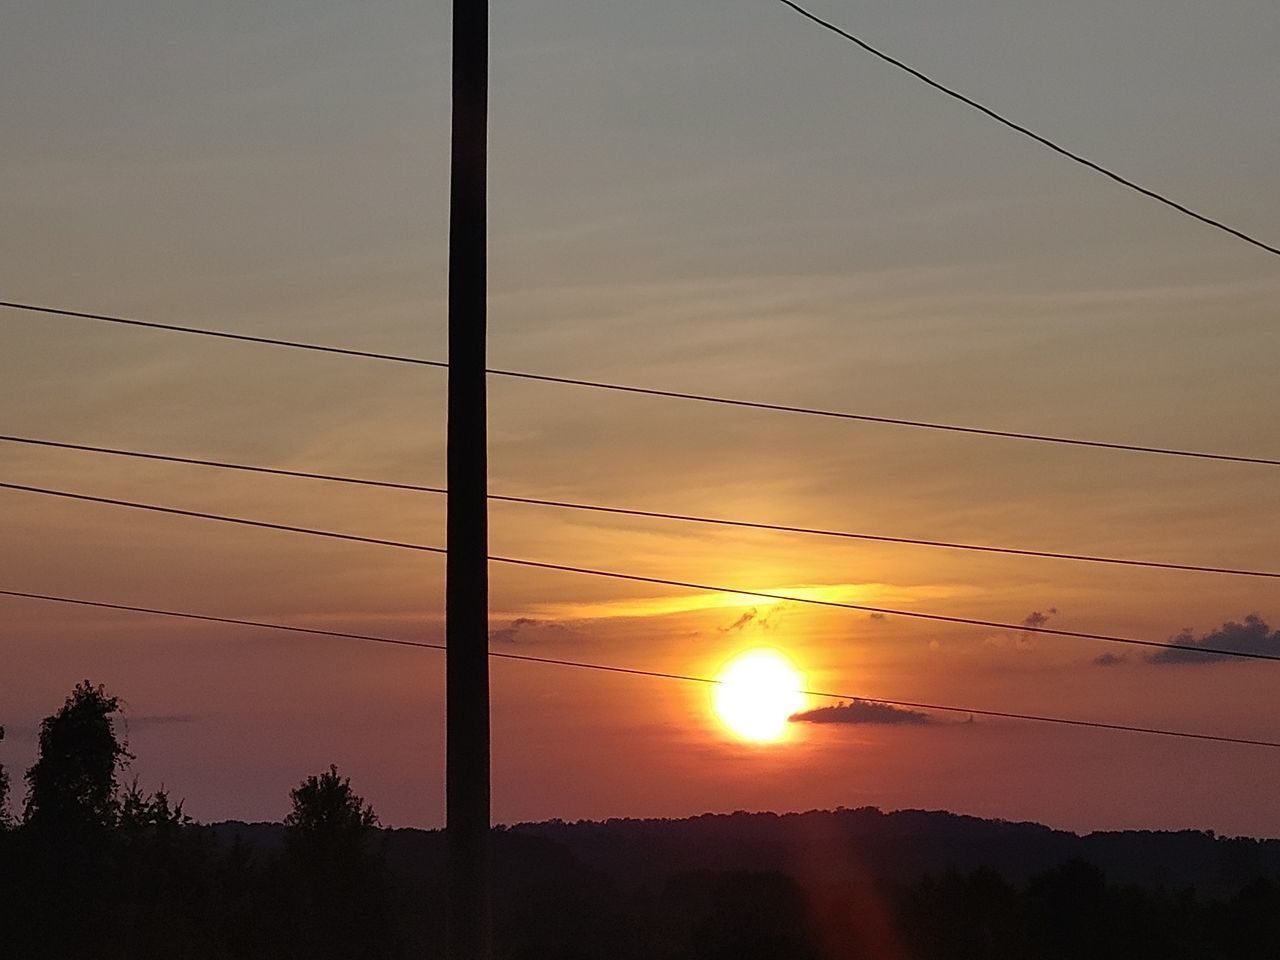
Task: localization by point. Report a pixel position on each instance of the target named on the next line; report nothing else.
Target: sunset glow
(757, 692)
(783, 345)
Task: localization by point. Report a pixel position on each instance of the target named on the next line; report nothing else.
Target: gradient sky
(714, 197)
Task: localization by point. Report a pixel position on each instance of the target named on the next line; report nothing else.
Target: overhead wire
(1028, 132)
(223, 518)
(655, 674)
(647, 514)
(665, 394)
(1021, 628)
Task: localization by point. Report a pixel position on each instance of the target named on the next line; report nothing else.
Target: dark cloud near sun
(531, 630)
(766, 621)
(867, 712)
(1109, 660)
(770, 620)
(741, 623)
(1254, 635)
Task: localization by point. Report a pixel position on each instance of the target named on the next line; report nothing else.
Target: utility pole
(467, 574)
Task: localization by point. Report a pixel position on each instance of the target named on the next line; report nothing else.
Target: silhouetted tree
(74, 782)
(5, 822)
(69, 898)
(337, 875)
(152, 818)
(328, 822)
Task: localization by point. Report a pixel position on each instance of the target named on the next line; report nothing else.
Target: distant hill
(839, 846)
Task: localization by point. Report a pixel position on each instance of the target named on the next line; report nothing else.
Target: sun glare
(758, 691)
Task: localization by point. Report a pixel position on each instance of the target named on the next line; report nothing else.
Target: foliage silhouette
(74, 782)
(334, 873)
(328, 822)
(5, 820)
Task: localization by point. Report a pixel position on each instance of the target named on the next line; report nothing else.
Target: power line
(221, 518)
(223, 464)
(648, 514)
(887, 421)
(1027, 132)
(631, 671)
(660, 581)
(880, 538)
(220, 334)
(666, 394)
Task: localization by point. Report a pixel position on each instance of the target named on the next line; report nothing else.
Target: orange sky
(723, 203)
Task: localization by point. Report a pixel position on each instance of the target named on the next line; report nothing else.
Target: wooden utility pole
(467, 574)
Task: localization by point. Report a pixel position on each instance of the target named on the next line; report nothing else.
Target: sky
(715, 197)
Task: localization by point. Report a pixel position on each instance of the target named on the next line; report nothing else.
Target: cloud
(529, 629)
(1034, 621)
(741, 622)
(1252, 636)
(876, 616)
(864, 712)
(1109, 660)
(1024, 639)
(769, 621)
(161, 720)
(1037, 619)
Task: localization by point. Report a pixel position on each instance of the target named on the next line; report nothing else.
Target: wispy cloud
(1109, 660)
(531, 630)
(867, 593)
(766, 621)
(161, 719)
(741, 623)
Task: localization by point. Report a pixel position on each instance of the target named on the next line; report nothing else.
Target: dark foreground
(849, 884)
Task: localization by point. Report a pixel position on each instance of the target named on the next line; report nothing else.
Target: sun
(757, 692)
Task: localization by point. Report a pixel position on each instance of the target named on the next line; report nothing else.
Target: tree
(4, 792)
(152, 817)
(328, 822)
(74, 785)
(339, 880)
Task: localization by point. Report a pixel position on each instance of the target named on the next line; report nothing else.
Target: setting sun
(758, 691)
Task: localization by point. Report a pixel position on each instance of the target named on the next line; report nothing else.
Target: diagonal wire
(221, 334)
(657, 674)
(648, 514)
(666, 394)
(222, 518)
(1027, 132)
(661, 581)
